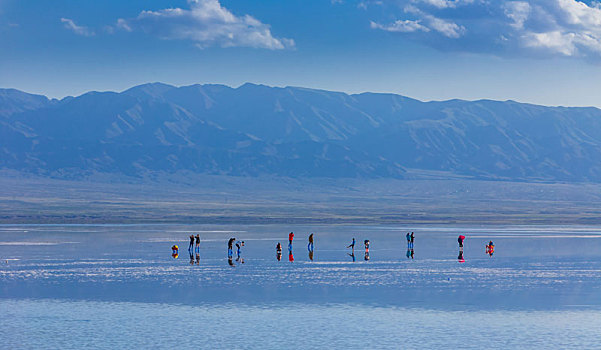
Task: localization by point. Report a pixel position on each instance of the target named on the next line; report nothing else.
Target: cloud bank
(206, 23)
(567, 28)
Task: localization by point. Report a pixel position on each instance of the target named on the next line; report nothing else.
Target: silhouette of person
(310, 245)
(408, 240)
(197, 243)
(191, 242)
(290, 238)
(278, 249)
(352, 245)
(311, 255)
(412, 237)
(352, 255)
(230, 246)
(490, 248)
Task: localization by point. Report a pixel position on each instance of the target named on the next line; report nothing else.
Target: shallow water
(118, 285)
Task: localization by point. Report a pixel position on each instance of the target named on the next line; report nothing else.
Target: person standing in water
(191, 243)
(197, 243)
(408, 240)
(238, 248)
(490, 248)
(352, 245)
(290, 238)
(310, 246)
(460, 241)
(230, 246)
(366, 243)
(278, 251)
(412, 239)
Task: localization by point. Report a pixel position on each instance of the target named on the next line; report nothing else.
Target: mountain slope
(258, 130)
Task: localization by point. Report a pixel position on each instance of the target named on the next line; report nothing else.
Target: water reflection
(410, 253)
(197, 259)
(311, 255)
(352, 255)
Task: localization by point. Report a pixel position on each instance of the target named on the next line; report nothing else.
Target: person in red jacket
(290, 238)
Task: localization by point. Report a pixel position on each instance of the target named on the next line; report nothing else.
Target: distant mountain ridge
(256, 130)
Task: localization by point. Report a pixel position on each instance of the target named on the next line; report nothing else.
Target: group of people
(352, 246)
(230, 251)
(410, 236)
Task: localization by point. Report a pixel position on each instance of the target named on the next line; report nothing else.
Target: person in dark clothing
(408, 240)
(230, 246)
(197, 243)
(310, 246)
(278, 250)
(412, 238)
(352, 245)
(191, 242)
(460, 241)
(366, 242)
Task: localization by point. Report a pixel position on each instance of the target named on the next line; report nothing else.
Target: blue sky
(539, 51)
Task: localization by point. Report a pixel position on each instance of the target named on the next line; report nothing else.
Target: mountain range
(257, 130)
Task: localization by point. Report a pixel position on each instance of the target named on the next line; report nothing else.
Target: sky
(538, 51)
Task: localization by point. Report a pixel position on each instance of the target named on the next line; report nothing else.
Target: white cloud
(405, 26)
(518, 12)
(443, 4)
(206, 23)
(79, 30)
(570, 28)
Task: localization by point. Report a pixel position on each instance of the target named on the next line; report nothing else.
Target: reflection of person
(290, 256)
(230, 261)
(311, 255)
(460, 257)
(197, 259)
(191, 257)
(366, 255)
(310, 246)
(352, 255)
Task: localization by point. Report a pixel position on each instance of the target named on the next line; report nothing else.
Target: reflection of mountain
(258, 130)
